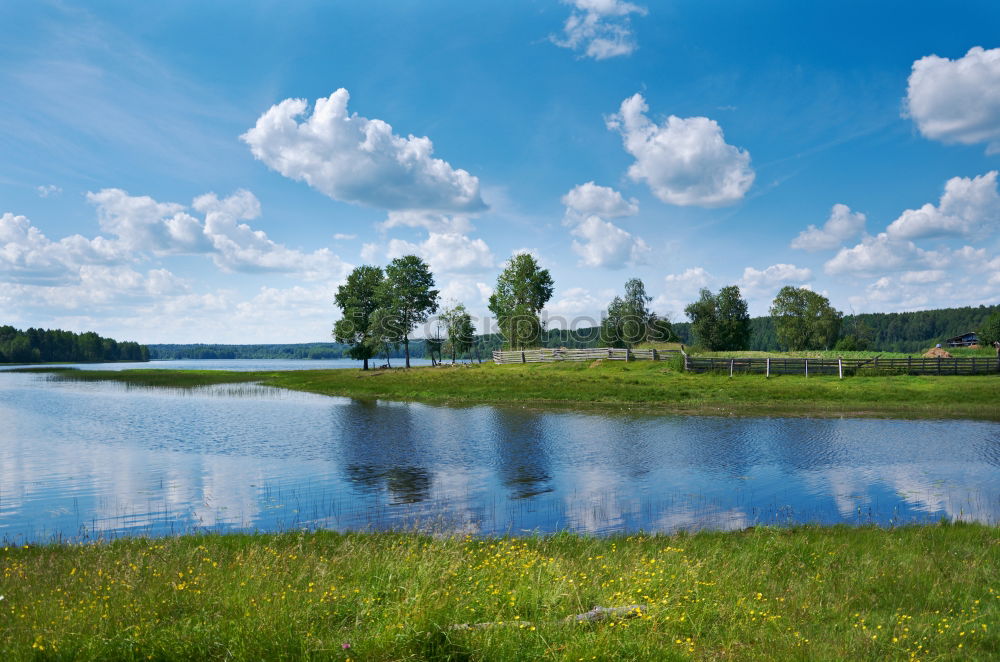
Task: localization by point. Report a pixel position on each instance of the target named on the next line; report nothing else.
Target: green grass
(927, 593)
(648, 385)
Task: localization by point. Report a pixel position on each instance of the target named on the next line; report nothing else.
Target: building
(964, 340)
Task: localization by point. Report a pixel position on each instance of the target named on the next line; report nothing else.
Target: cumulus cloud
(681, 289)
(432, 222)
(843, 224)
(968, 207)
(28, 256)
(359, 160)
(48, 190)
(446, 252)
(238, 247)
(881, 254)
(599, 29)
(604, 243)
(592, 200)
(607, 245)
(141, 223)
(580, 305)
(957, 101)
(763, 281)
(684, 161)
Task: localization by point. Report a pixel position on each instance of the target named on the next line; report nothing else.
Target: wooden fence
(841, 367)
(553, 354)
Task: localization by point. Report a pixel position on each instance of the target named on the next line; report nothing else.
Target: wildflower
(345, 646)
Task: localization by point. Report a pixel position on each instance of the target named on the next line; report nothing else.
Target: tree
(630, 322)
(733, 319)
(523, 288)
(804, 319)
(989, 332)
(460, 328)
(704, 316)
(720, 321)
(358, 298)
(408, 293)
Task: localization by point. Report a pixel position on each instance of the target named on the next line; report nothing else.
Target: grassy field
(913, 593)
(655, 386)
(834, 354)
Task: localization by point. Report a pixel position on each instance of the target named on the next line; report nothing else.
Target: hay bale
(936, 352)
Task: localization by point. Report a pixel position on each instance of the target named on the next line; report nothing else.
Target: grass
(652, 386)
(924, 593)
(961, 352)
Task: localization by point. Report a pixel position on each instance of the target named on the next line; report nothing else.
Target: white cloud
(607, 245)
(429, 221)
(764, 281)
(922, 277)
(370, 252)
(592, 200)
(843, 224)
(577, 307)
(341, 236)
(48, 190)
(881, 254)
(599, 28)
(446, 252)
(28, 256)
(359, 160)
(957, 101)
(968, 207)
(684, 161)
(681, 289)
(238, 247)
(142, 224)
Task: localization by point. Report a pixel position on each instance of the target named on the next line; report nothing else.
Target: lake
(83, 460)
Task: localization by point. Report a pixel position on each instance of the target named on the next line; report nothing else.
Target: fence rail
(841, 367)
(553, 354)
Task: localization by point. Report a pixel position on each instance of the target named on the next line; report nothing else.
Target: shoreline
(641, 387)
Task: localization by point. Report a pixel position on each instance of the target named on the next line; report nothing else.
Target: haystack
(936, 352)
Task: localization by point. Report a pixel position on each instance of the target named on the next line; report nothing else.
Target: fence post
(840, 368)
(628, 355)
(732, 362)
(909, 365)
(656, 357)
(939, 365)
(523, 360)
(767, 373)
(807, 366)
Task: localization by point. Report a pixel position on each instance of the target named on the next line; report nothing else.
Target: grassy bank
(654, 386)
(928, 593)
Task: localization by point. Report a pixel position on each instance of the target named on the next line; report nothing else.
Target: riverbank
(929, 592)
(652, 386)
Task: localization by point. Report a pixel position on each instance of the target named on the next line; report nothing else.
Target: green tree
(989, 332)
(523, 288)
(733, 319)
(629, 321)
(358, 298)
(408, 292)
(704, 316)
(804, 319)
(460, 328)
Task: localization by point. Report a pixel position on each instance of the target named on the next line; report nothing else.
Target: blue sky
(166, 174)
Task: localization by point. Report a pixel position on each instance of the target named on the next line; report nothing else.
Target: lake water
(82, 460)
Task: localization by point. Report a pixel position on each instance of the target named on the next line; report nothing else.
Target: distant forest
(888, 332)
(56, 346)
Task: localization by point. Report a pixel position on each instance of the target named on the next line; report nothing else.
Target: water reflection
(80, 459)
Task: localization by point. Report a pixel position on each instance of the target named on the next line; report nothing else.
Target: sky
(212, 171)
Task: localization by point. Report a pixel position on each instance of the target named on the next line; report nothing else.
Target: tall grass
(928, 593)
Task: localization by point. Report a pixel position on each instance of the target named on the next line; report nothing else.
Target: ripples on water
(83, 459)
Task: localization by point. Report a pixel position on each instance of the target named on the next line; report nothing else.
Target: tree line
(382, 307)
(58, 346)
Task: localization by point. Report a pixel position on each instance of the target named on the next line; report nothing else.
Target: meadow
(659, 387)
(911, 593)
